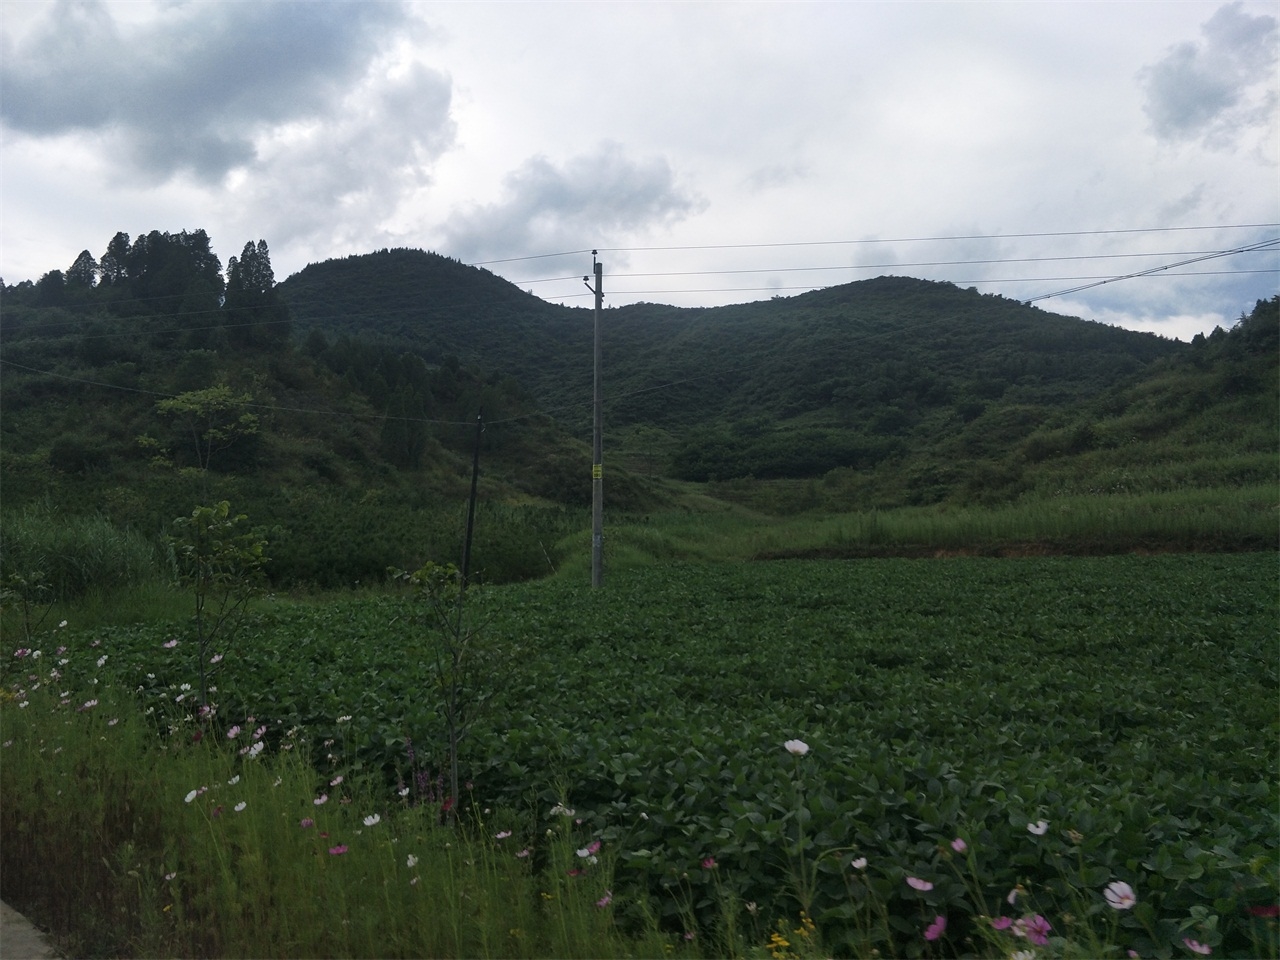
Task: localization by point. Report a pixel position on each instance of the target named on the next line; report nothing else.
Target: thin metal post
(471, 503)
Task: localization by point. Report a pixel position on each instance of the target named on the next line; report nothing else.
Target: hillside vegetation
(338, 409)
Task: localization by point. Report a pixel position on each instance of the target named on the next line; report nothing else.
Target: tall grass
(1221, 519)
(74, 555)
(136, 838)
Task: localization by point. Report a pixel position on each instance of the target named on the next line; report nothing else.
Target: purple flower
(958, 845)
(338, 851)
(1035, 928)
(936, 929)
(605, 900)
(709, 863)
(1002, 923)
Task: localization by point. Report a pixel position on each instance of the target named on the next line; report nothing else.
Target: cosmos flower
(915, 883)
(936, 929)
(797, 748)
(1120, 895)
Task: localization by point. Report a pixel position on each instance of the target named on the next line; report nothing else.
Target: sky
(711, 152)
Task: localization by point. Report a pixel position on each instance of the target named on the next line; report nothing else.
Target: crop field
(1074, 721)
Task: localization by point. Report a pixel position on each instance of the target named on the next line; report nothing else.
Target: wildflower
(338, 851)
(372, 819)
(413, 882)
(502, 834)
(1269, 912)
(958, 845)
(1002, 923)
(216, 658)
(89, 704)
(35, 654)
(411, 861)
(197, 736)
(524, 853)
(323, 798)
(192, 795)
(306, 823)
(21, 652)
(560, 810)
(1039, 828)
(241, 805)
(797, 748)
(1196, 947)
(915, 883)
(255, 749)
(1035, 928)
(336, 780)
(404, 791)
(1075, 836)
(170, 876)
(62, 625)
(575, 872)
(593, 846)
(24, 704)
(102, 660)
(1016, 892)
(936, 929)
(113, 721)
(234, 780)
(233, 732)
(171, 644)
(605, 900)
(217, 811)
(257, 734)
(859, 864)
(344, 719)
(1120, 895)
(709, 863)
(1023, 955)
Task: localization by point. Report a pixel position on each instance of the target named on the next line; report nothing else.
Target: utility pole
(597, 461)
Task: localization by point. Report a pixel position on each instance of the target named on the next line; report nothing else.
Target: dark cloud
(1214, 89)
(190, 89)
(585, 202)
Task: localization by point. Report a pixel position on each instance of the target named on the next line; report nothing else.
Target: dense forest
(346, 399)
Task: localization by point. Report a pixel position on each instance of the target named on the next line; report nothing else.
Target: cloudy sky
(713, 152)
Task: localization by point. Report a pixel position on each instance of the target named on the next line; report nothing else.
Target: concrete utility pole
(597, 461)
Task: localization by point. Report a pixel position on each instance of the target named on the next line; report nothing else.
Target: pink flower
(575, 872)
(915, 883)
(323, 798)
(958, 845)
(709, 863)
(1120, 895)
(1002, 923)
(1270, 912)
(593, 847)
(338, 851)
(605, 900)
(1035, 928)
(306, 822)
(936, 929)
(524, 853)
(336, 780)
(502, 835)
(171, 644)
(1196, 946)
(233, 732)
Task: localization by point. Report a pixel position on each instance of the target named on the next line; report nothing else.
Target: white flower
(24, 703)
(411, 861)
(240, 806)
(1039, 828)
(345, 719)
(370, 820)
(1120, 895)
(192, 795)
(560, 810)
(255, 750)
(859, 864)
(404, 791)
(797, 748)
(234, 780)
(62, 625)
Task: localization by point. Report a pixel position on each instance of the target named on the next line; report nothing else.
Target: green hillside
(338, 408)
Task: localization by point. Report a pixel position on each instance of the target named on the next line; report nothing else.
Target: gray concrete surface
(19, 940)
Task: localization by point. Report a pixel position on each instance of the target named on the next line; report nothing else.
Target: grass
(135, 841)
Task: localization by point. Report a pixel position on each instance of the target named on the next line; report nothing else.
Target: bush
(74, 555)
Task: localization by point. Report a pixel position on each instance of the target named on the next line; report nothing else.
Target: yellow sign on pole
(597, 471)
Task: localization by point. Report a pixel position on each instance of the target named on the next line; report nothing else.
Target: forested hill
(878, 354)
